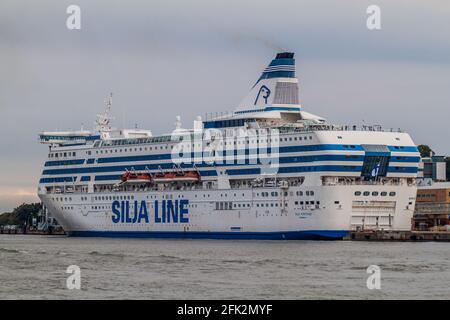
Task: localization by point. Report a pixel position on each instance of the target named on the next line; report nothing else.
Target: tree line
(21, 215)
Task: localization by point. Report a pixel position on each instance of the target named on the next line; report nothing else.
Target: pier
(49, 231)
(399, 236)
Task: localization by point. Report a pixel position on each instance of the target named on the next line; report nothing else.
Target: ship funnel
(277, 84)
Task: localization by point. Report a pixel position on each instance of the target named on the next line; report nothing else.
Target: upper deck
(269, 129)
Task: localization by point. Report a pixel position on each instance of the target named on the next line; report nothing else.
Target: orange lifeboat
(182, 176)
(136, 177)
(189, 176)
(164, 177)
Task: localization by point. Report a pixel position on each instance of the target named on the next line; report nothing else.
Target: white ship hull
(254, 217)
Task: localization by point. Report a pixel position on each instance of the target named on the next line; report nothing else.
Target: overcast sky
(168, 58)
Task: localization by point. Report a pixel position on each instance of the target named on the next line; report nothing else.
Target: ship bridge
(67, 137)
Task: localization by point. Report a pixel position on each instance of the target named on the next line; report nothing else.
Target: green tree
(424, 150)
(23, 213)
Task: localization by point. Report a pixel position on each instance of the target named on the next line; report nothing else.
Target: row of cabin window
(269, 140)
(375, 193)
(114, 198)
(308, 193)
(168, 138)
(231, 205)
(109, 207)
(159, 147)
(167, 196)
(73, 154)
(262, 205)
(275, 194)
(62, 154)
(62, 199)
(170, 196)
(129, 150)
(307, 203)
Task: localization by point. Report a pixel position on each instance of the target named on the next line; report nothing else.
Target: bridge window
(375, 166)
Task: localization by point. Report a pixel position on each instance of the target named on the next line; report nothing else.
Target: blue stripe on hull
(168, 156)
(279, 235)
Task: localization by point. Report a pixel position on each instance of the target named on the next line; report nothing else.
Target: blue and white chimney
(277, 85)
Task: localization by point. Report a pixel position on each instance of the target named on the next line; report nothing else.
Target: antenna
(178, 123)
(104, 119)
(109, 103)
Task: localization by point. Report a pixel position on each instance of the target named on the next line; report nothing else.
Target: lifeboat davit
(136, 177)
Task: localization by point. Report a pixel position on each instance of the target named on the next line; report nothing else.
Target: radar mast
(103, 122)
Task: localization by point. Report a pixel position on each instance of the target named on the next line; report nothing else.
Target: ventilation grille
(286, 93)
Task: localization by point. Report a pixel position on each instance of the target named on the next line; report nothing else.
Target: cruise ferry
(267, 170)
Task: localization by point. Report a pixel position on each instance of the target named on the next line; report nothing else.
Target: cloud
(10, 197)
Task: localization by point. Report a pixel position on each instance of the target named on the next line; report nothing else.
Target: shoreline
(366, 235)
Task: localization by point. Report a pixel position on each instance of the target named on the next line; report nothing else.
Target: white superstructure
(268, 170)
